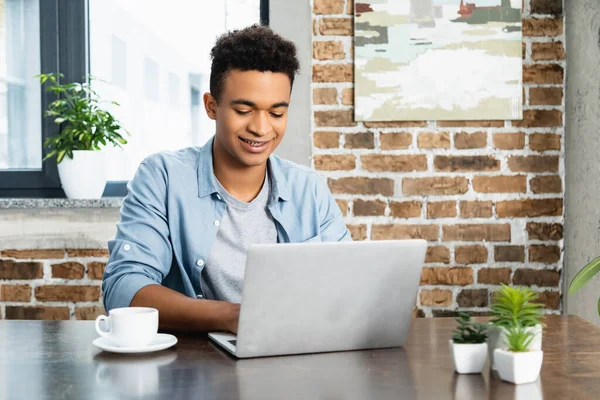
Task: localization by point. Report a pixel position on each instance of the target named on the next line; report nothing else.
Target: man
(190, 215)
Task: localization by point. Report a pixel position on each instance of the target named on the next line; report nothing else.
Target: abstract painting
(438, 60)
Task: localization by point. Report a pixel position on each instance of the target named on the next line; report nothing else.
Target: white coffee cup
(130, 326)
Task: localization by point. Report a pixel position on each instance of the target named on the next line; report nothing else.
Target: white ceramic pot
(468, 358)
(518, 368)
(84, 176)
(497, 340)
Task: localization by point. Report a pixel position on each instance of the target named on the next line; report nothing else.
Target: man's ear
(210, 105)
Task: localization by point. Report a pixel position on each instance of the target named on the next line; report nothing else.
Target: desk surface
(56, 359)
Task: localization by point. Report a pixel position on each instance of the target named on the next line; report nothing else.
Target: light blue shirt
(171, 215)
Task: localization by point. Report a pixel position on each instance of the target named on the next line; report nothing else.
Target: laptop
(303, 298)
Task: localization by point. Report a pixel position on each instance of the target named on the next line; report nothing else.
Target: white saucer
(160, 342)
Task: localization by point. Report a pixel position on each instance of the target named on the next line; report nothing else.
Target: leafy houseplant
(584, 275)
(519, 363)
(85, 127)
(512, 308)
(468, 345)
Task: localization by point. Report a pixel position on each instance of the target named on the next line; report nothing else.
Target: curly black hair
(255, 48)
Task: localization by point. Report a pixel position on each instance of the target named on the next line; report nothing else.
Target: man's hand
(233, 318)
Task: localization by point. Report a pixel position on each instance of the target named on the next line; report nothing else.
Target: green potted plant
(514, 307)
(584, 275)
(85, 127)
(468, 345)
(519, 363)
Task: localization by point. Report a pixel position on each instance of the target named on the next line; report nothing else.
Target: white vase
(517, 368)
(468, 358)
(497, 340)
(84, 176)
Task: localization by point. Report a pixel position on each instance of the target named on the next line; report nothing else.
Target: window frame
(64, 47)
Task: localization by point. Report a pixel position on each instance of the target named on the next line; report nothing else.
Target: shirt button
(217, 223)
(127, 247)
(219, 196)
(199, 296)
(200, 262)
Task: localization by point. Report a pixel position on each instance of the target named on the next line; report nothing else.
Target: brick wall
(487, 195)
(51, 284)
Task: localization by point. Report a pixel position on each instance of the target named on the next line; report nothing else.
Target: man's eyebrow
(253, 104)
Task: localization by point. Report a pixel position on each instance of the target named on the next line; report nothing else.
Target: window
(150, 57)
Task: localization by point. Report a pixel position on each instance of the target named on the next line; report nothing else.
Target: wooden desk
(52, 359)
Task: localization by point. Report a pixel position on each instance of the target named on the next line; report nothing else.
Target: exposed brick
(326, 162)
(476, 209)
(10, 269)
(358, 232)
(89, 313)
(334, 118)
(418, 313)
(343, 205)
(441, 209)
(328, 50)
(509, 141)
(405, 209)
(396, 124)
(37, 312)
(397, 231)
(500, 184)
(441, 185)
(33, 254)
(395, 141)
(523, 52)
(16, 293)
(493, 276)
(325, 96)
(543, 73)
(544, 231)
(67, 293)
(88, 253)
(546, 7)
(459, 276)
(544, 141)
(546, 184)
(437, 254)
(361, 185)
(315, 25)
(537, 277)
(544, 254)
(539, 119)
(466, 163)
(551, 300)
(436, 297)
(336, 26)
(547, 51)
(393, 163)
(472, 298)
(348, 97)
(533, 163)
(477, 140)
(363, 208)
(542, 96)
(96, 270)
(350, 8)
(432, 140)
(327, 140)
(509, 253)
(328, 7)
(68, 270)
(362, 140)
(476, 254)
(471, 124)
(477, 232)
(333, 73)
(542, 27)
(529, 208)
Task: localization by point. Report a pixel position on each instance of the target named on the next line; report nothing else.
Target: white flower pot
(468, 358)
(497, 340)
(519, 368)
(84, 176)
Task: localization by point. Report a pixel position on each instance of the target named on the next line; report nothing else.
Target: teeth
(255, 144)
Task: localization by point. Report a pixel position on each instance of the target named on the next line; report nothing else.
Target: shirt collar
(207, 182)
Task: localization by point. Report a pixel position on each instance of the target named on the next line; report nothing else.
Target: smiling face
(251, 116)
